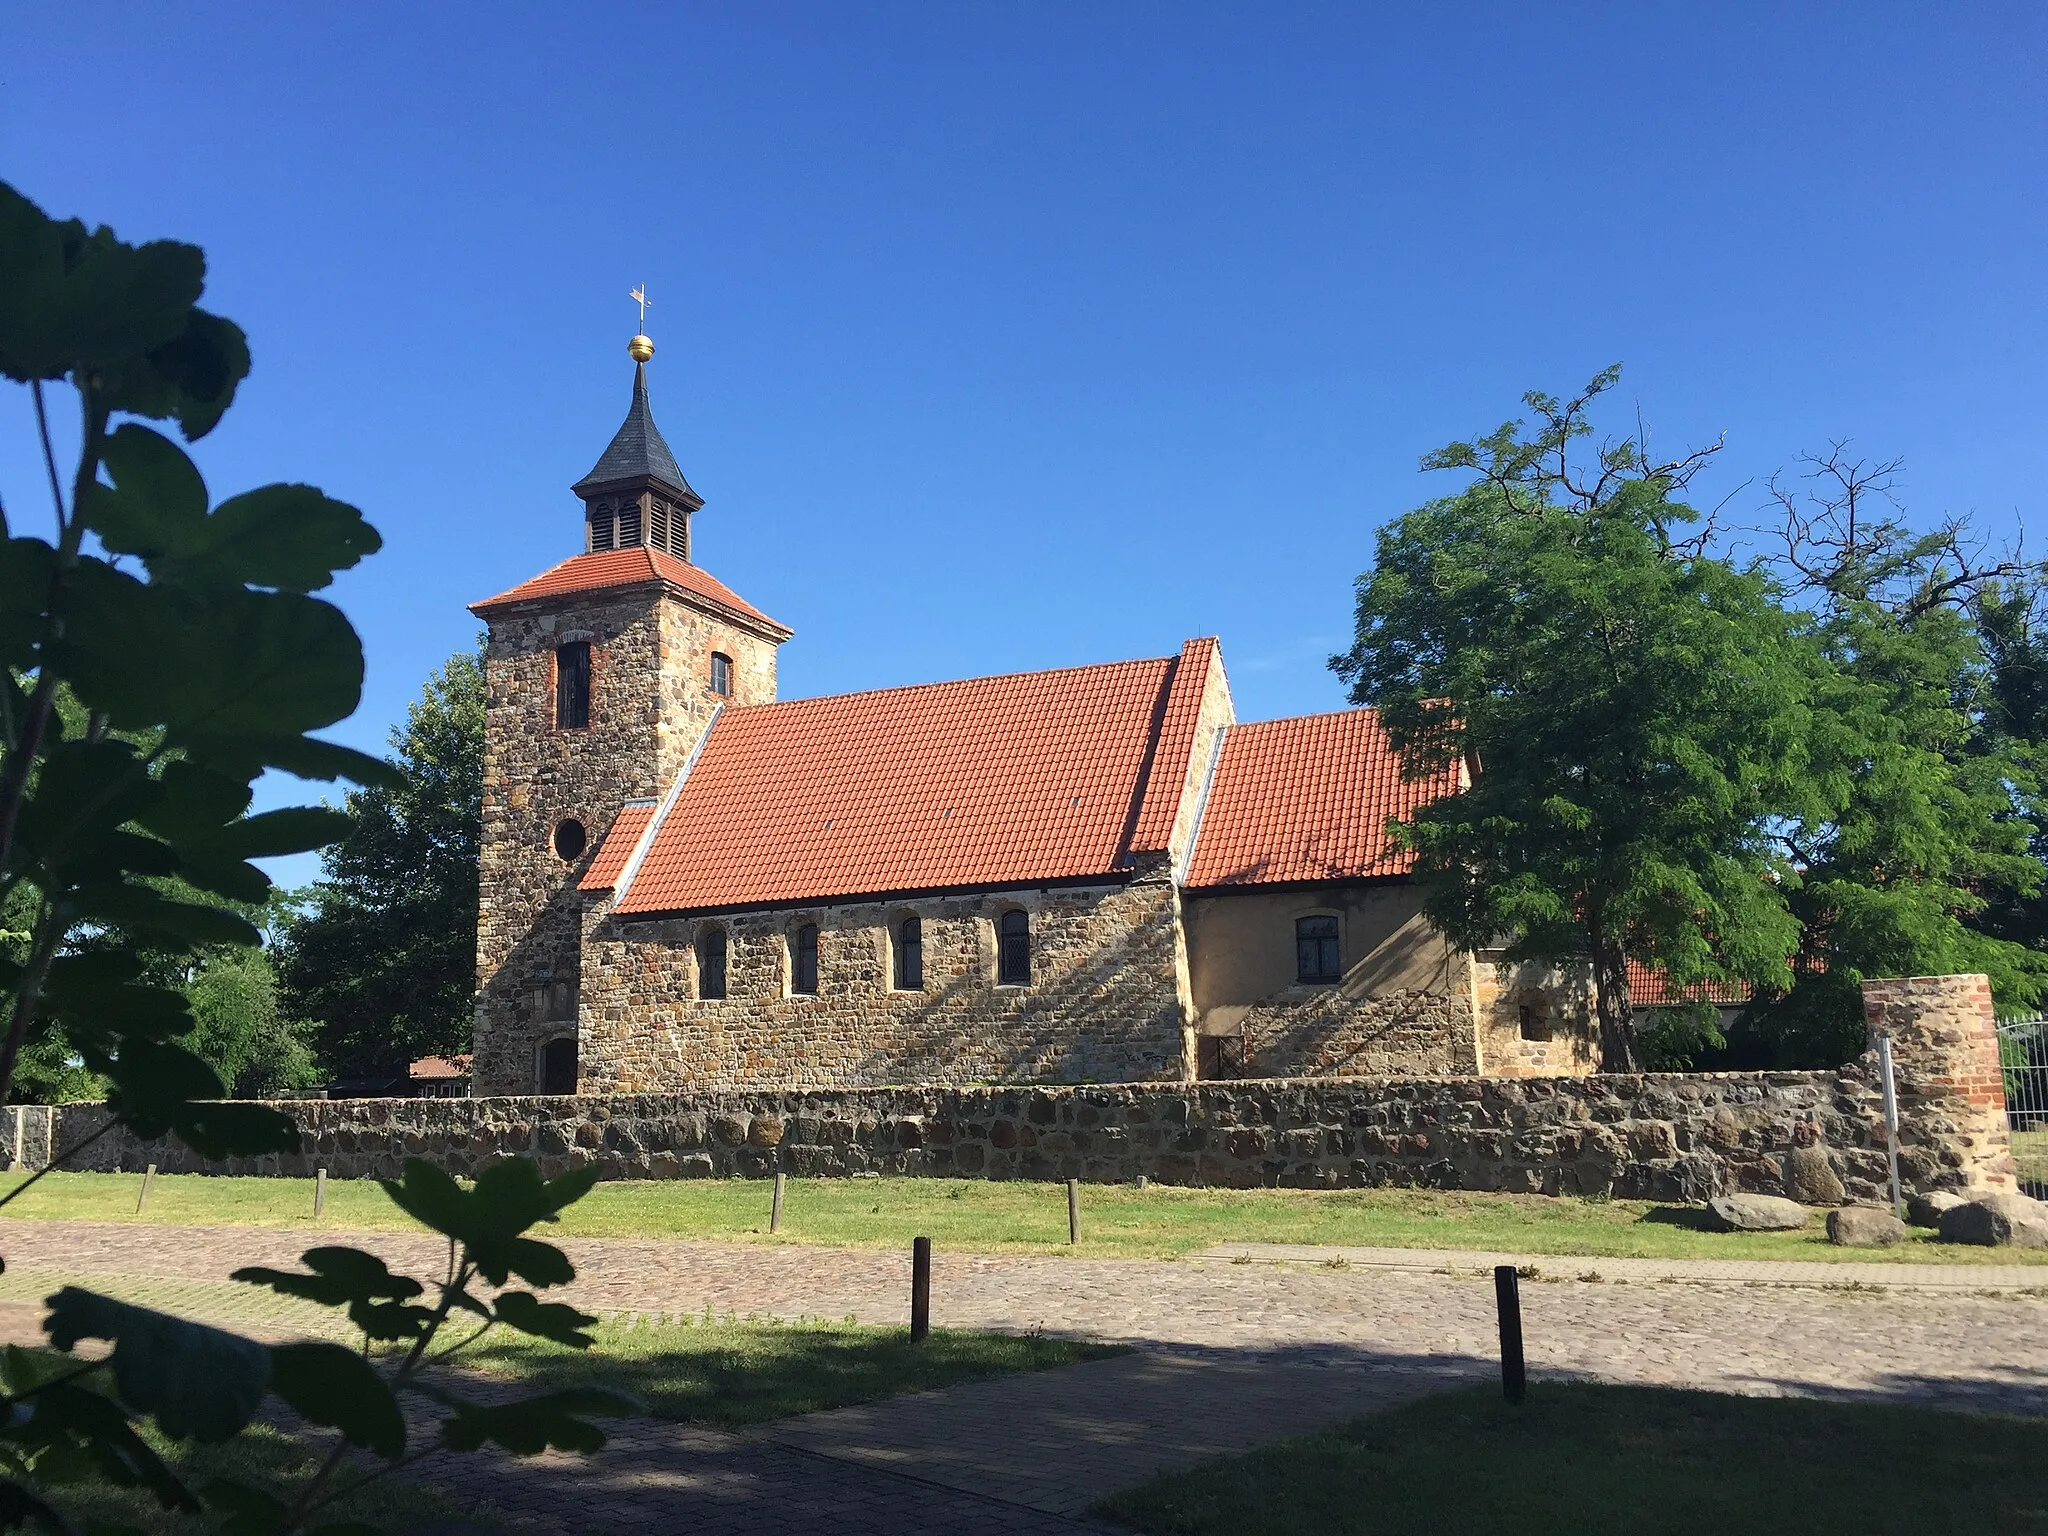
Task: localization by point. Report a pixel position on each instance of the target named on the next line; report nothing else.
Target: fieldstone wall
(1534, 1020)
(650, 702)
(1104, 1003)
(1944, 1034)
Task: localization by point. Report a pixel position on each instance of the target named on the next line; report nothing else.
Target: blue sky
(1009, 336)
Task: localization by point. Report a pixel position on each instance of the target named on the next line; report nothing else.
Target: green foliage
(238, 1031)
(161, 652)
(1634, 711)
(382, 960)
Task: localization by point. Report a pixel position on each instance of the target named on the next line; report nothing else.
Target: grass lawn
(1594, 1460)
(2030, 1151)
(1118, 1221)
(691, 1368)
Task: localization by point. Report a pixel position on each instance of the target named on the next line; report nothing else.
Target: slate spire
(636, 494)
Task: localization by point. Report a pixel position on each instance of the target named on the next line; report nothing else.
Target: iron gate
(2023, 1054)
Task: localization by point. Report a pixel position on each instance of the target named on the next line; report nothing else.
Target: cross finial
(639, 296)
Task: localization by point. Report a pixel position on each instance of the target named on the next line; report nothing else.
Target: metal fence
(2023, 1053)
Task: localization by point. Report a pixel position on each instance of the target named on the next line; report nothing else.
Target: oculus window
(570, 839)
(1315, 951)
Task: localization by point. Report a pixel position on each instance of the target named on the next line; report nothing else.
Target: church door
(558, 1067)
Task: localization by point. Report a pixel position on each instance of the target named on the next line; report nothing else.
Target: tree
(187, 637)
(1633, 712)
(382, 959)
(1927, 800)
(239, 1031)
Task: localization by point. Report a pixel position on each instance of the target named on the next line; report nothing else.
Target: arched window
(572, 685)
(1315, 950)
(711, 964)
(910, 955)
(1013, 950)
(803, 961)
(558, 1067)
(721, 673)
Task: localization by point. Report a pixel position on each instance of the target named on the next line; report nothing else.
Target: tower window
(803, 961)
(1315, 950)
(603, 525)
(910, 955)
(629, 525)
(721, 673)
(711, 964)
(1013, 950)
(570, 839)
(572, 685)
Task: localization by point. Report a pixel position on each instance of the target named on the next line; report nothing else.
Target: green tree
(239, 1031)
(187, 637)
(382, 957)
(1927, 801)
(1633, 712)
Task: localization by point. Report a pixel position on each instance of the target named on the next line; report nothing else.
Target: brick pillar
(1952, 1128)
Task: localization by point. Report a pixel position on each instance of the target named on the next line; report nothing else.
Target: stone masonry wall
(1559, 1038)
(650, 702)
(1944, 1035)
(1323, 1031)
(1105, 1000)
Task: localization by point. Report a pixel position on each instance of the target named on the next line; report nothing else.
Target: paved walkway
(1230, 1353)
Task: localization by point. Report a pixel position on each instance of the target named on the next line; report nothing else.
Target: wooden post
(1507, 1297)
(775, 1210)
(920, 1289)
(1141, 1183)
(319, 1193)
(148, 1181)
(1073, 1212)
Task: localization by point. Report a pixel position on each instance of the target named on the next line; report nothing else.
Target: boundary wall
(1818, 1136)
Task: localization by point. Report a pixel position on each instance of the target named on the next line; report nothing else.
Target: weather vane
(639, 296)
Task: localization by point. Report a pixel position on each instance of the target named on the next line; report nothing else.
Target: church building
(1088, 874)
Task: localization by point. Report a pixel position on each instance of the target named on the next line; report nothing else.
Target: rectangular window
(721, 673)
(1532, 1023)
(572, 685)
(803, 956)
(910, 955)
(1315, 950)
(1013, 950)
(711, 965)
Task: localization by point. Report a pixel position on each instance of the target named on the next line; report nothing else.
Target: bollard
(1141, 1183)
(1073, 1212)
(1891, 1120)
(1507, 1297)
(775, 1209)
(920, 1289)
(319, 1193)
(148, 1181)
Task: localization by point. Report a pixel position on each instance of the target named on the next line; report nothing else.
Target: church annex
(1088, 874)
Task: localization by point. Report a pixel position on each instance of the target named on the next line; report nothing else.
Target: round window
(570, 838)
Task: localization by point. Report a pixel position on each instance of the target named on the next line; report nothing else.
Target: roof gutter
(631, 871)
(1187, 858)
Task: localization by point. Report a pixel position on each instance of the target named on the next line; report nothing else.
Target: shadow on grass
(729, 1374)
(1591, 1460)
(1689, 1218)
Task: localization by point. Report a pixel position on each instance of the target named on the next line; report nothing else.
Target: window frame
(1328, 947)
(579, 692)
(906, 956)
(721, 674)
(803, 958)
(713, 941)
(1007, 973)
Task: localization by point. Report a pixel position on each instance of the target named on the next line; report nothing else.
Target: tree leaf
(549, 1320)
(297, 829)
(197, 1382)
(337, 1387)
(536, 1424)
(289, 537)
(157, 504)
(73, 1433)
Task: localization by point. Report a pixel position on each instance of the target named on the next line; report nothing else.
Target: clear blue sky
(1010, 336)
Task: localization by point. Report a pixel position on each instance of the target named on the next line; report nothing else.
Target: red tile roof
(1033, 777)
(618, 845)
(1183, 708)
(602, 570)
(1307, 799)
(1649, 987)
(438, 1067)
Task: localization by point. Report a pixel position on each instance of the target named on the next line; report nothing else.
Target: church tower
(602, 674)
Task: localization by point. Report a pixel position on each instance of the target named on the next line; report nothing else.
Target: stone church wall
(1104, 1002)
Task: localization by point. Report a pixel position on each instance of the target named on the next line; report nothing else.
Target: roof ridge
(952, 682)
(1313, 714)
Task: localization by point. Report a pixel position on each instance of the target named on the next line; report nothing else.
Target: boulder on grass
(1864, 1226)
(1810, 1177)
(1927, 1210)
(1756, 1213)
(1997, 1221)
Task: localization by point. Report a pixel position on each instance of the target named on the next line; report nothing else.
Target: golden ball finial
(640, 349)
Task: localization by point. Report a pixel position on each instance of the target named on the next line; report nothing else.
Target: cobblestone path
(1231, 1353)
